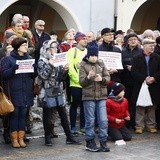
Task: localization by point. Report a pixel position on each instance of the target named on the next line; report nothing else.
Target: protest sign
(25, 66)
(60, 59)
(112, 60)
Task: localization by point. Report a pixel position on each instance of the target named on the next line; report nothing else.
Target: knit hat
(106, 30)
(92, 49)
(116, 88)
(17, 42)
(79, 36)
(132, 35)
(9, 34)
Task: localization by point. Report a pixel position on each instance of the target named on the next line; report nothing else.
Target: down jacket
(92, 90)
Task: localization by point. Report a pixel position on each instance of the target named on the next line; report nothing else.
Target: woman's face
(22, 49)
(53, 48)
(18, 26)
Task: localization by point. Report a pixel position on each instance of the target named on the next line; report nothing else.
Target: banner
(112, 60)
(60, 59)
(25, 66)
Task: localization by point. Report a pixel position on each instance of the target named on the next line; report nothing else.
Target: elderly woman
(20, 88)
(52, 94)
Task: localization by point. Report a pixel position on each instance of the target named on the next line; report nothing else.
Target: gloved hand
(15, 66)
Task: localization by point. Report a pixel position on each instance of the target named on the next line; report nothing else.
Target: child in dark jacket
(117, 111)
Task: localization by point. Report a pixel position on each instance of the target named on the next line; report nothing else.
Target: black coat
(139, 73)
(127, 59)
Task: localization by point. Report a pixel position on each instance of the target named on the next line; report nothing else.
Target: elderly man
(128, 52)
(39, 36)
(146, 67)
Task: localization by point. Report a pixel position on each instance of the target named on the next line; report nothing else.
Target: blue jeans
(18, 119)
(92, 108)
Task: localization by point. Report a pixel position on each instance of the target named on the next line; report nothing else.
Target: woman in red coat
(117, 111)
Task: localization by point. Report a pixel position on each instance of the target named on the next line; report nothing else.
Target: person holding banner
(51, 95)
(19, 85)
(108, 46)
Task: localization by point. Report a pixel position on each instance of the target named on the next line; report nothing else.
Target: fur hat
(106, 30)
(17, 42)
(9, 34)
(132, 35)
(116, 88)
(92, 49)
(79, 36)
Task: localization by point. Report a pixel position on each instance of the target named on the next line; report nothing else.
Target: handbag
(144, 98)
(6, 105)
(52, 99)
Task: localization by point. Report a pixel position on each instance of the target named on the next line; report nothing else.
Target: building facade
(84, 15)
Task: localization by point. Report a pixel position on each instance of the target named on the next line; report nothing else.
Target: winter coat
(20, 85)
(116, 109)
(139, 73)
(39, 42)
(127, 59)
(92, 90)
(74, 57)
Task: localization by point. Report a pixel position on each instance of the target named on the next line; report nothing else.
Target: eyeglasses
(110, 34)
(54, 47)
(41, 25)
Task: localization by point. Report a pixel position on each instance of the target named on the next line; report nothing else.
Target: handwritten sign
(25, 66)
(112, 60)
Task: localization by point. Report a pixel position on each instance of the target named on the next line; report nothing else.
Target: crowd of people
(106, 97)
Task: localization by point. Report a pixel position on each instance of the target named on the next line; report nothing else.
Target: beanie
(17, 42)
(79, 36)
(106, 30)
(116, 88)
(132, 35)
(9, 34)
(92, 49)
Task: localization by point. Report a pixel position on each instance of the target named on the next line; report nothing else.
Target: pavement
(144, 146)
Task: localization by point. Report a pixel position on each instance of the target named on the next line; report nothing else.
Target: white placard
(25, 66)
(60, 59)
(112, 60)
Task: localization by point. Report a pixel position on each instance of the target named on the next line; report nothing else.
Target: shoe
(74, 131)
(91, 146)
(139, 131)
(6, 137)
(152, 130)
(70, 140)
(82, 130)
(48, 141)
(104, 147)
(54, 136)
